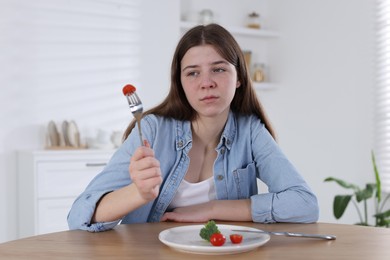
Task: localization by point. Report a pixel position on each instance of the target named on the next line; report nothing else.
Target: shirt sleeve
(114, 176)
(81, 218)
(289, 198)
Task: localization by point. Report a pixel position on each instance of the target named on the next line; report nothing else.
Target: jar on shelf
(259, 72)
(206, 16)
(247, 57)
(253, 20)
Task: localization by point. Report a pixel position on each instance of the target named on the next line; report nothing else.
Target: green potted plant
(363, 195)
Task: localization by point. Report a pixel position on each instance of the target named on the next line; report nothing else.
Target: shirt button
(223, 151)
(180, 144)
(220, 177)
(228, 142)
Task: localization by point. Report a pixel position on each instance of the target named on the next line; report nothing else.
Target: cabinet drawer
(52, 215)
(65, 179)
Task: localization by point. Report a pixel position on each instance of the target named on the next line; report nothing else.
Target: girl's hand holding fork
(145, 172)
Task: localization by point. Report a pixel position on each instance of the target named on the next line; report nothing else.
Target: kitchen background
(68, 60)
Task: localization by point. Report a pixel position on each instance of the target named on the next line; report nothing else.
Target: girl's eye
(219, 70)
(192, 74)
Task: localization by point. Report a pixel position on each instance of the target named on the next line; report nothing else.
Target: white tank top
(193, 193)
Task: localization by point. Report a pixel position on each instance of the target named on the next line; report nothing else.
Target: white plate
(187, 239)
(73, 134)
(65, 125)
(53, 133)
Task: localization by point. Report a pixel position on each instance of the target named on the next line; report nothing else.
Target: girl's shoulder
(251, 119)
(162, 123)
(159, 120)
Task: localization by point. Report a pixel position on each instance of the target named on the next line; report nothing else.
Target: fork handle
(139, 131)
(328, 237)
(289, 234)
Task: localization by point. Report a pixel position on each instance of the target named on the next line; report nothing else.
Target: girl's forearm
(231, 210)
(116, 204)
(226, 210)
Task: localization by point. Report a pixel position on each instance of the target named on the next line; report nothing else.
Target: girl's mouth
(208, 98)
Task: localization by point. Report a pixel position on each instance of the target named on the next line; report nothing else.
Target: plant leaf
(340, 203)
(383, 219)
(365, 194)
(343, 184)
(377, 178)
(385, 214)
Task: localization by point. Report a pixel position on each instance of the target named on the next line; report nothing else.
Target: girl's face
(209, 81)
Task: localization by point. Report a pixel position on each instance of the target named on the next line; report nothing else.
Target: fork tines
(133, 99)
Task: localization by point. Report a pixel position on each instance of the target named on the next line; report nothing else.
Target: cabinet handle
(95, 164)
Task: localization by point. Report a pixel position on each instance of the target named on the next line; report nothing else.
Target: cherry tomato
(217, 239)
(236, 238)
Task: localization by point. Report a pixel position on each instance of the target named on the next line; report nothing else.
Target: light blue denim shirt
(246, 151)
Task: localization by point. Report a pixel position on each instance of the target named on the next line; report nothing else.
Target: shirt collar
(184, 133)
(229, 132)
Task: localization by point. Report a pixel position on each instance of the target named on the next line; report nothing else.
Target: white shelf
(244, 31)
(264, 85)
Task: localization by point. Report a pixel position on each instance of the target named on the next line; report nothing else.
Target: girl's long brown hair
(176, 105)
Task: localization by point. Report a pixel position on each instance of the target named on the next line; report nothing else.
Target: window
(382, 93)
(68, 60)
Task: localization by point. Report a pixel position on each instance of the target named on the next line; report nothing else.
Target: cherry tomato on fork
(236, 238)
(217, 239)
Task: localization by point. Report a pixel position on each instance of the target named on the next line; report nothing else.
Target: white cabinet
(49, 182)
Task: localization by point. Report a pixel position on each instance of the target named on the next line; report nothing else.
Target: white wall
(322, 108)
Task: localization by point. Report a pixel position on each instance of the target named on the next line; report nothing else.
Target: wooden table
(140, 241)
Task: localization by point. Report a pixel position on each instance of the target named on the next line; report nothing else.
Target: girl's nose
(207, 81)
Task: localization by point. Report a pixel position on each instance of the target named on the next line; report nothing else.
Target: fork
(289, 234)
(136, 108)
